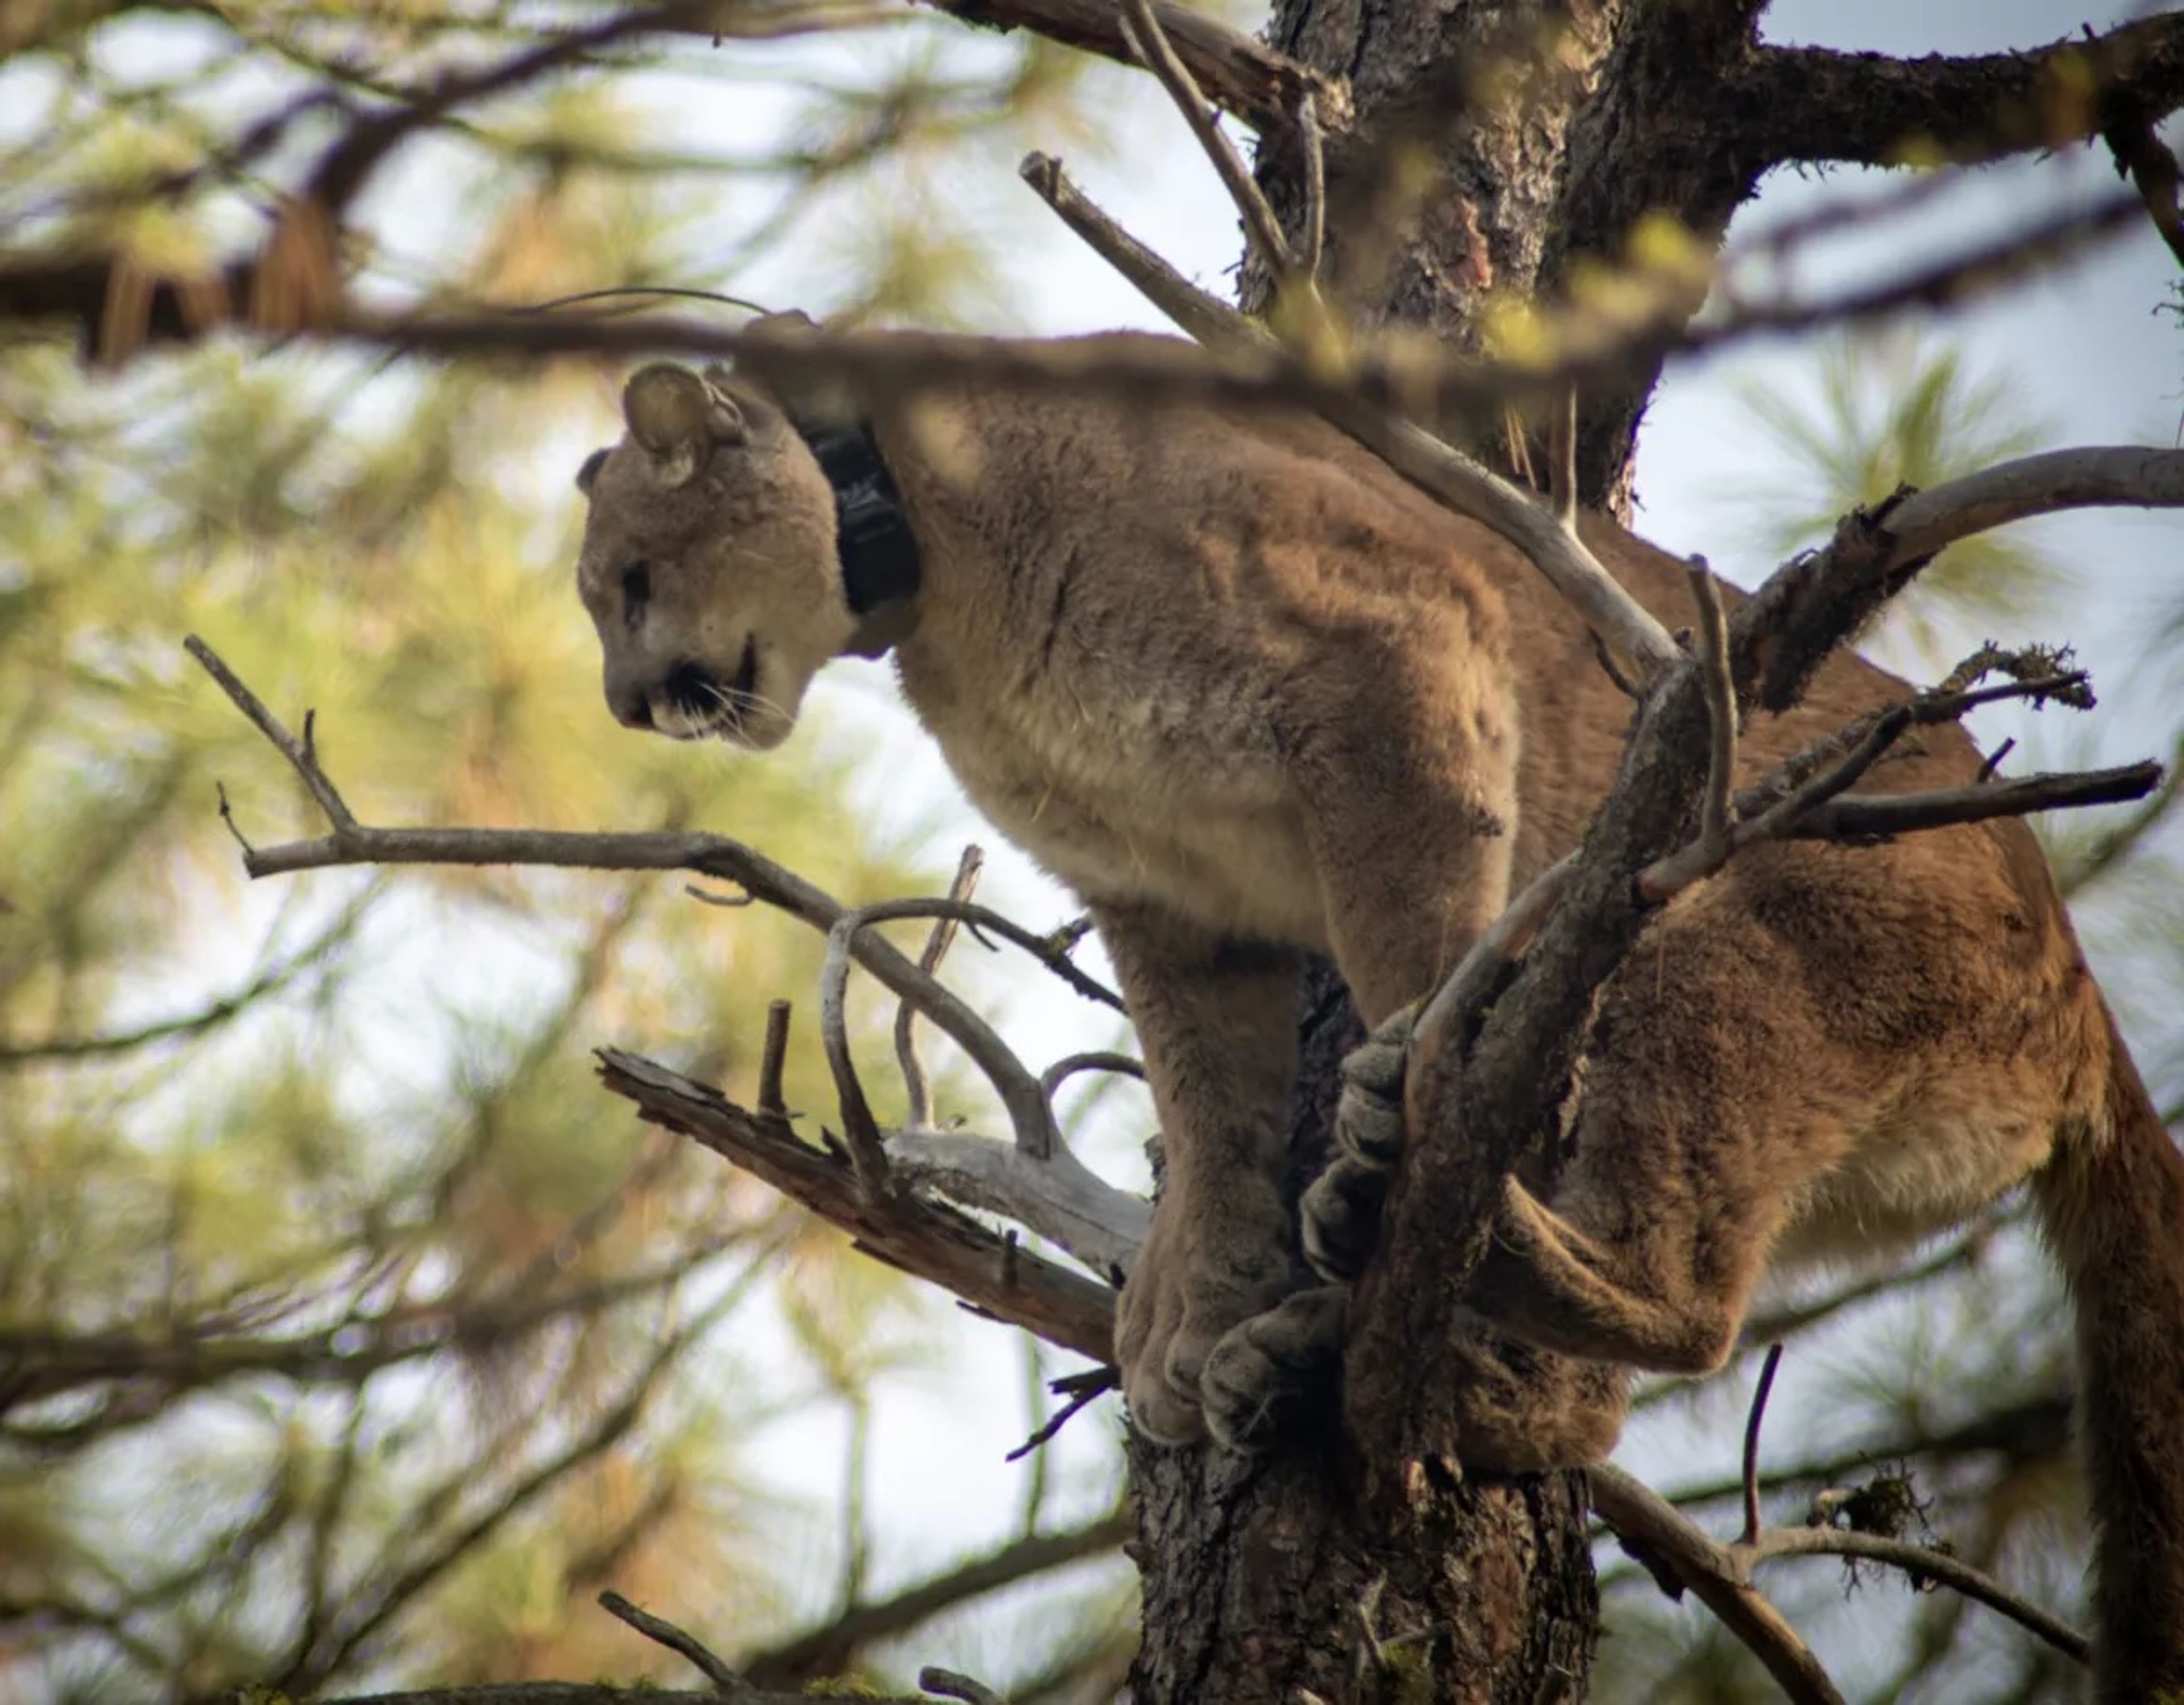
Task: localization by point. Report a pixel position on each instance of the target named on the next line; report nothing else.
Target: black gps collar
(879, 555)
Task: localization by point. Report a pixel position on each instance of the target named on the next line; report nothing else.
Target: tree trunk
(1263, 1577)
(1549, 130)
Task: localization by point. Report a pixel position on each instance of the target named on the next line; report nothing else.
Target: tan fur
(1248, 693)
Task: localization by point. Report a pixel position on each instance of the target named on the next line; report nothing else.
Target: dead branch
(1247, 78)
(1099, 1059)
(1721, 711)
(1641, 1516)
(867, 1152)
(1803, 802)
(1860, 817)
(1813, 105)
(772, 1058)
(1148, 39)
(1200, 315)
(1076, 1391)
(1676, 1549)
(1751, 1424)
(926, 1240)
(1464, 485)
(917, 1088)
(1029, 1115)
(2143, 157)
(727, 1683)
(1036, 1180)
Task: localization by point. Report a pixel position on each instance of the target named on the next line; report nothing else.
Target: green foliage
(1893, 410)
(350, 1334)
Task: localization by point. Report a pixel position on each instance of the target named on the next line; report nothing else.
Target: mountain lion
(1251, 695)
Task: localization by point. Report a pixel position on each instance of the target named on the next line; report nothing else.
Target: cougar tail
(2111, 1199)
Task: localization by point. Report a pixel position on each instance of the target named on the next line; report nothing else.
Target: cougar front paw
(1341, 1209)
(1368, 1121)
(1524, 1410)
(1275, 1367)
(1200, 1275)
(1340, 1217)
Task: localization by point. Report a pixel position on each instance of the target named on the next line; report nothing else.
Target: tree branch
(1244, 76)
(1805, 105)
(1463, 484)
(1671, 1547)
(607, 1693)
(1661, 1531)
(927, 1240)
(828, 1650)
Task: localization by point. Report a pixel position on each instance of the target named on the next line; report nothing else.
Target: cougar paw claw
(1195, 1281)
(1368, 1122)
(1274, 1366)
(1340, 1217)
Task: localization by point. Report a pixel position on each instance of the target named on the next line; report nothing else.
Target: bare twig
(1069, 1065)
(926, 1240)
(1719, 1572)
(917, 1089)
(1500, 944)
(708, 1663)
(1149, 41)
(1812, 809)
(1923, 1563)
(1561, 458)
(867, 1150)
(300, 758)
(771, 1059)
(1199, 314)
(950, 1686)
(1872, 817)
(1029, 1115)
(1752, 1440)
(1079, 1389)
(1721, 710)
(1311, 146)
(1465, 485)
(1470, 488)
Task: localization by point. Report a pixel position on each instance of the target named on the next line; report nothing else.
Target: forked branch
(1034, 1180)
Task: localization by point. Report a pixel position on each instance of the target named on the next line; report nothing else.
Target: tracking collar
(878, 552)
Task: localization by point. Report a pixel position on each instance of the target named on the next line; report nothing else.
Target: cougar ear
(678, 417)
(588, 475)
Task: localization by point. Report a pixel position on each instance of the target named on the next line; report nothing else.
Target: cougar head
(708, 563)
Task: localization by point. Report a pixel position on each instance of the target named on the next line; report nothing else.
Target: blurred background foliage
(349, 1336)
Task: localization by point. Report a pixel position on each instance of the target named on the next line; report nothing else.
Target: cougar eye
(636, 592)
